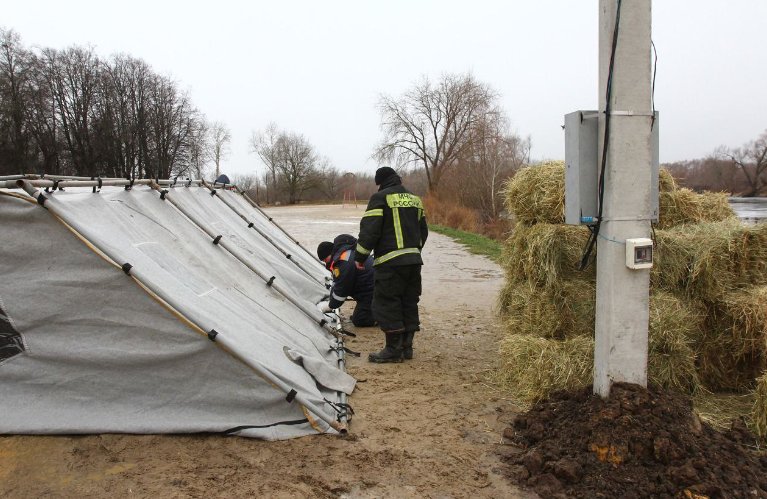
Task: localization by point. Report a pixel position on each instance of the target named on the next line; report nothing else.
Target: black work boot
(392, 352)
(407, 345)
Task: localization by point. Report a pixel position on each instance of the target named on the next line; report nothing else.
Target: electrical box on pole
(582, 168)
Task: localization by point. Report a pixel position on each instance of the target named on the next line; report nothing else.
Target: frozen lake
(752, 210)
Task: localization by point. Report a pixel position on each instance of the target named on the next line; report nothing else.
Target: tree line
(738, 170)
(70, 112)
(450, 138)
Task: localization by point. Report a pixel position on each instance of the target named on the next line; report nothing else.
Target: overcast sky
(318, 67)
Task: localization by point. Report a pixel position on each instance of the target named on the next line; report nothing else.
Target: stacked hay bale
(708, 299)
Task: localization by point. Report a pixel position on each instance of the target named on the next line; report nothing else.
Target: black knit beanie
(384, 173)
(324, 249)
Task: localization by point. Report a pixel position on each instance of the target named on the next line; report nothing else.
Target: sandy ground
(430, 427)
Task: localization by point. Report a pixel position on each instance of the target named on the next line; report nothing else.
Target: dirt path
(430, 427)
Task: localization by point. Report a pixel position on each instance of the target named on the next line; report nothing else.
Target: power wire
(654, 72)
(608, 107)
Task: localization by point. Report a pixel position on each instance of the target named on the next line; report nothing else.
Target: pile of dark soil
(638, 443)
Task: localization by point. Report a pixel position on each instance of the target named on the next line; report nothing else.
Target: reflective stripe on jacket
(393, 227)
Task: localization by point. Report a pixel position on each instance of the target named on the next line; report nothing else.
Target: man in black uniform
(394, 229)
(348, 280)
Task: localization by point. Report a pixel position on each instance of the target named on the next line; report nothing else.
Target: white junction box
(639, 253)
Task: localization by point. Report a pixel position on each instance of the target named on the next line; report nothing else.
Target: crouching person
(349, 280)
(394, 229)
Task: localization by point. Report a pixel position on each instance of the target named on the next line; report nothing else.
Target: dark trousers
(363, 312)
(395, 298)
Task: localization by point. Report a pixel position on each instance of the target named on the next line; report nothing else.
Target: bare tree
(172, 118)
(249, 184)
(200, 148)
(219, 142)
(264, 144)
(431, 125)
(328, 179)
(43, 119)
(495, 154)
(118, 140)
(68, 112)
(75, 83)
(713, 173)
(296, 164)
(15, 91)
(751, 161)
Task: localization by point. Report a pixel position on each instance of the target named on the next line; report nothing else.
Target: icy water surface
(750, 210)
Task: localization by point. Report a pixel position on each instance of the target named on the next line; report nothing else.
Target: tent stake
(344, 416)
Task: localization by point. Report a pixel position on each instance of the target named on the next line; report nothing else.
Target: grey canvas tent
(139, 307)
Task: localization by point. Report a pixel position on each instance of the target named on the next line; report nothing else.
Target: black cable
(608, 94)
(654, 72)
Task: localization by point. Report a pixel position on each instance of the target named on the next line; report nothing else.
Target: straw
(533, 367)
(546, 253)
(759, 410)
(683, 206)
(537, 193)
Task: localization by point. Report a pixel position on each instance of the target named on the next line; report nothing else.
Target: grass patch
(479, 245)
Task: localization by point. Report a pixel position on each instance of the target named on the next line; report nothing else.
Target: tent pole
(62, 181)
(260, 210)
(262, 234)
(270, 281)
(88, 183)
(141, 276)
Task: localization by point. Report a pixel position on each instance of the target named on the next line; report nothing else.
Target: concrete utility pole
(622, 306)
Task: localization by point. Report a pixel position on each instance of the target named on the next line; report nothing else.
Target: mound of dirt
(638, 443)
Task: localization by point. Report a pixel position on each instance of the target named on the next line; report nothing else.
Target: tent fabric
(307, 259)
(103, 355)
(322, 372)
(215, 214)
(10, 339)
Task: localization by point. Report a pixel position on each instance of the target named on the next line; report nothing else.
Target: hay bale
(759, 411)
(674, 326)
(545, 254)
(568, 310)
(708, 260)
(726, 256)
(526, 308)
(732, 350)
(533, 367)
(537, 193)
(683, 206)
(672, 260)
(721, 371)
(556, 313)
(549, 345)
(666, 182)
(720, 409)
(743, 314)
